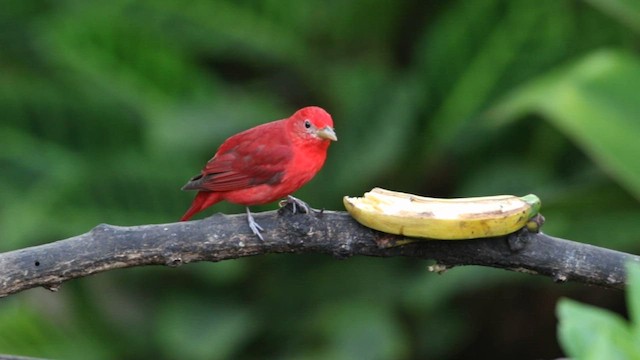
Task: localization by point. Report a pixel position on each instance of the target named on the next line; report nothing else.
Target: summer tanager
(265, 163)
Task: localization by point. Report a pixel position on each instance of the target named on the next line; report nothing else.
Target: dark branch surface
(222, 237)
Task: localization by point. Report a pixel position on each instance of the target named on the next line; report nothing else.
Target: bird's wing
(251, 158)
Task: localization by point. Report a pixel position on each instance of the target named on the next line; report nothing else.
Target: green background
(109, 107)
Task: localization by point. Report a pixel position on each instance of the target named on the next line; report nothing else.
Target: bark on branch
(222, 237)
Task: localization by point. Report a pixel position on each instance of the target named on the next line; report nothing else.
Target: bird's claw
(297, 203)
(254, 226)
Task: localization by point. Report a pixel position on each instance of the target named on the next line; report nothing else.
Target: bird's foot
(298, 204)
(253, 225)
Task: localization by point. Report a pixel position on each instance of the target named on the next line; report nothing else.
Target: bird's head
(313, 123)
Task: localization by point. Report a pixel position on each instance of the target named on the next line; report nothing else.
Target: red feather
(265, 163)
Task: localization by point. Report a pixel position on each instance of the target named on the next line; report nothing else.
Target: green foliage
(591, 103)
(108, 107)
(588, 332)
(193, 329)
(25, 332)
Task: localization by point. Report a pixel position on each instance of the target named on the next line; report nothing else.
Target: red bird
(265, 163)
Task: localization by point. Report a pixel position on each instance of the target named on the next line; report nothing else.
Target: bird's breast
(302, 167)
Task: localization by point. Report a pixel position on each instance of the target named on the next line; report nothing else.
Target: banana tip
(535, 203)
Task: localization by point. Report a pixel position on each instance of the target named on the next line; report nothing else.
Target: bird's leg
(255, 227)
(297, 203)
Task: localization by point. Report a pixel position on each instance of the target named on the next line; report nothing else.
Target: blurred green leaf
(594, 102)
(587, 332)
(196, 330)
(633, 298)
(389, 124)
(355, 330)
(24, 332)
(483, 71)
(625, 11)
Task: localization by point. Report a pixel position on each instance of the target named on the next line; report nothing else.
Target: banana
(443, 219)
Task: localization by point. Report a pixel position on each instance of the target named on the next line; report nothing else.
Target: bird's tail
(203, 200)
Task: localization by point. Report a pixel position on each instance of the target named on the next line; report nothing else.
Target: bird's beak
(327, 133)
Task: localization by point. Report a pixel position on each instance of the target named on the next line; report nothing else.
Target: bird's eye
(307, 124)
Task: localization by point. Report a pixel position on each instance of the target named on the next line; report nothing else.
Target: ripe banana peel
(443, 219)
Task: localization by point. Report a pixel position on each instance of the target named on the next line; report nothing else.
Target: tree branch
(222, 237)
